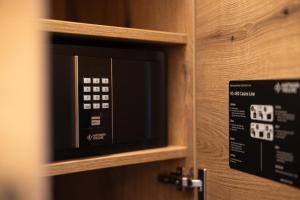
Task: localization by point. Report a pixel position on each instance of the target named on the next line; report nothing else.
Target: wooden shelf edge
(114, 160)
(117, 33)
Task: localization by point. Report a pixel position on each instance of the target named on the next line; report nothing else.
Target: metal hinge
(186, 182)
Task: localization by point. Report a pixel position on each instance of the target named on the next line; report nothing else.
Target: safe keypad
(94, 92)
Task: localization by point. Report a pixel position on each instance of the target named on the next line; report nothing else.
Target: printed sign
(264, 129)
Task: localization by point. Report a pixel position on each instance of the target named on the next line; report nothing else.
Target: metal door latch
(186, 182)
(191, 183)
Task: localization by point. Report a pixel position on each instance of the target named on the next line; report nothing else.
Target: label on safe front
(264, 129)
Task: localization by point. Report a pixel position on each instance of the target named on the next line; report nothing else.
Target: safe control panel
(95, 107)
(264, 131)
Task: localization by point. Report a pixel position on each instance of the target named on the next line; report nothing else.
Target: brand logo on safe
(97, 136)
(287, 87)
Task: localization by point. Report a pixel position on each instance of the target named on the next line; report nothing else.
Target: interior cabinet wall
(128, 182)
(239, 40)
(166, 15)
(105, 12)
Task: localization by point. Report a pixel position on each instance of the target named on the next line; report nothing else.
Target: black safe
(106, 100)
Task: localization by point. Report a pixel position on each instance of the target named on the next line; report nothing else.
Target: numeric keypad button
(105, 105)
(96, 105)
(96, 80)
(96, 97)
(86, 97)
(104, 80)
(86, 89)
(96, 89)
(86, 106)
(105, 89)
(105, 97)
(86, 80)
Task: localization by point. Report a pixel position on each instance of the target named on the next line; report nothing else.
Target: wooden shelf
(111, 32)
(114, 160)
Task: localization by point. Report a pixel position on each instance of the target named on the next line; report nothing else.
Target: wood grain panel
(163, 15)
(240, 40)
(105, 12)
(167, 15)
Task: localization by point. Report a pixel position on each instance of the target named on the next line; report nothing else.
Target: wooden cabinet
(208, 43)
(167, 25)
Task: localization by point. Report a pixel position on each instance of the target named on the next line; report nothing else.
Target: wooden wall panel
(164, 15)
(238, 40)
